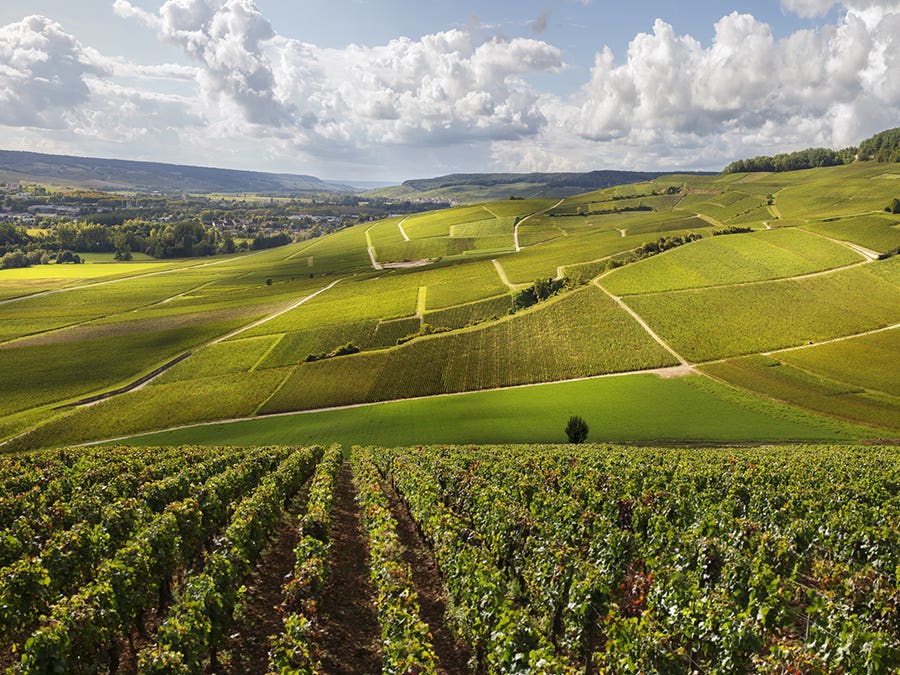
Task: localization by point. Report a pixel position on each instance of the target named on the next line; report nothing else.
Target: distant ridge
(475, 187)
(118, 174)
(590, 180)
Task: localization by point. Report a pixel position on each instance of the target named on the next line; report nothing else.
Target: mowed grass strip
(868, 361)
(581, 334)
(718, 322)
(770, 376)
(738, 258)
(630, 408)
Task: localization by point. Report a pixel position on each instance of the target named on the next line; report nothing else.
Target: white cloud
(456, 100)
(442, 88)
(43, 73)
(746, 92)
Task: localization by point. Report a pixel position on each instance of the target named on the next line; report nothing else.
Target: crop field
(841, 191)
(580, 335)
(550, 559)
(715, 261)
(257, 317)
(777, 378)
(723, 321)
(53, 373)
(878, 232)
(543, 260)
(460, 316)
(868, 361)
(222, 358)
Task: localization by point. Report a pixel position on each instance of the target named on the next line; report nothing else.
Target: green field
(723, 321)
(260, 316)
(635, 408)
(732, 259)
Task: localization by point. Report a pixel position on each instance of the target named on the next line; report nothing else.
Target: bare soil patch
(350, 637)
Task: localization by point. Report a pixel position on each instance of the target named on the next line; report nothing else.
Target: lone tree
(577, 429)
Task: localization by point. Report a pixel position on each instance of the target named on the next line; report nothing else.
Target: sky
(386, 90)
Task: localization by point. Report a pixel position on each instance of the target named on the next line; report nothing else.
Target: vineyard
(492, 559)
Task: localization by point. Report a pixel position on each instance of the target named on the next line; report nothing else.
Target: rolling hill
(117, 174)
(474, 187)
(782, 328)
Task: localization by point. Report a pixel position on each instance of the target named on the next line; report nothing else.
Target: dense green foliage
(632, 560)
(794, 161)
(882, 147)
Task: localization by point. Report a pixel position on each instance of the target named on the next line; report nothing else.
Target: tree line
(186, 239)
(882, 147)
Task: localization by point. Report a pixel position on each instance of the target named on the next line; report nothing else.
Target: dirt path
(452, 653)
(643, 324)
(402, 231)
(536, 213)
(249, 641)
(350, 634)
(502, 274)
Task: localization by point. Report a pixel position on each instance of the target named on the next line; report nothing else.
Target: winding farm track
(536, 213)
(402, 231)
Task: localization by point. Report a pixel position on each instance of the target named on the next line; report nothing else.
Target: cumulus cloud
(43, 73)
(442, 88)
(457, 100)
(813, 86)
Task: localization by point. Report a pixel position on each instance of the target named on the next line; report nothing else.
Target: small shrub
(577, 429)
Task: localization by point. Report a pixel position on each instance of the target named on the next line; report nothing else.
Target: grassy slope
(757, 256)
(638, 408)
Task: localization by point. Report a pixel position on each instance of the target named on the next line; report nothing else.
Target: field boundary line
(266, 319)
(265, 354)
(663, 372)
(883, 329)
(493, 215)
(738, 284)
(536, 213)
(275, 391)
(643, 324)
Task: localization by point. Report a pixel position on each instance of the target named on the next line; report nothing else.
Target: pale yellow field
(83, 271)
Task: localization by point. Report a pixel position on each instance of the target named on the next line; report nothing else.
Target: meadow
(685, 410)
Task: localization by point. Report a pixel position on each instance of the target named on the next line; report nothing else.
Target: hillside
(785, 329)
(122, 175)
(474, 187)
